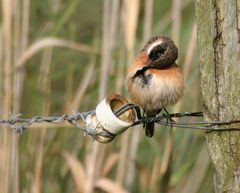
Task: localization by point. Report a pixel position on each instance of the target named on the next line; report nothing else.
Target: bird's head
(161, 52)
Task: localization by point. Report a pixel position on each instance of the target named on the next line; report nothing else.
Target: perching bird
(154, 80)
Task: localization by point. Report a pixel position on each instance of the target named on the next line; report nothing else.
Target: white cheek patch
(158, 42)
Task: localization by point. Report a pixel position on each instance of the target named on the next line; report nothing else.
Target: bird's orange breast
(163, 87)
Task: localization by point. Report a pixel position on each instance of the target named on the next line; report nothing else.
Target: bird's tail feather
(149, 129)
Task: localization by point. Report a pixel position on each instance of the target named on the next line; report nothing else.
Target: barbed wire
(79, 120)
(19, 124)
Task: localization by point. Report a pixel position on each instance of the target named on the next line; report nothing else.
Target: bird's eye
(156, 52)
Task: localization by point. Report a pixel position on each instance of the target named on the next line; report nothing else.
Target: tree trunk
(218, 23)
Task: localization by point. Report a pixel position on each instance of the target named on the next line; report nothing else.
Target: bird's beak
(153, 64)
(150, 64)
(145, 67)
(157, 64)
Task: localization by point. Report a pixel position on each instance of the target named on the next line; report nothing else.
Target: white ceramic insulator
(108, 120)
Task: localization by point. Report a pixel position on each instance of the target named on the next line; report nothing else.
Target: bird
(154, 80)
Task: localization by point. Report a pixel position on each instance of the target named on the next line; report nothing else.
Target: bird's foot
(169, 120)
(147, 120)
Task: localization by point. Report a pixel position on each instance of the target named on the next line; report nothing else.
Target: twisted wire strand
(19, 124)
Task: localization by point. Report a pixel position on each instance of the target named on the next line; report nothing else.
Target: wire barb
(79, 120)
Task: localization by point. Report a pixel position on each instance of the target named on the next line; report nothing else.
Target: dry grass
(7, 141)
(50, 42)
(77, 171)
(52, 157)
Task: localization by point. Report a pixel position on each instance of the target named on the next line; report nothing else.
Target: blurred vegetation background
(57, 56)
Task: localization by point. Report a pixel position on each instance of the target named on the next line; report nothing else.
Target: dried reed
(117, 167)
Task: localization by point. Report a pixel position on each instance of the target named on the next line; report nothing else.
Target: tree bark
(218, 23)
